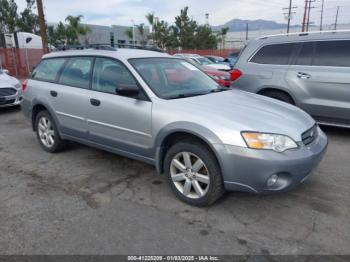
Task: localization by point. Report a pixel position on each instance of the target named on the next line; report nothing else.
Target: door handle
(95, 102)
(303, 75)
(53, 93)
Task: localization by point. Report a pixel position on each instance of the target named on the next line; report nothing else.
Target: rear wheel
(279, 96)
(47, 133)
(193, 173)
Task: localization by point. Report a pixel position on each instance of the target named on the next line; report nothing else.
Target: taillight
(24, 85)
(235, 74)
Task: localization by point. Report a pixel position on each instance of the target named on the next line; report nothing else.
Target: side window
(276, 54)
(48, 69)
(332, 53)
(109, 74)
(77, 72)
(306, 53)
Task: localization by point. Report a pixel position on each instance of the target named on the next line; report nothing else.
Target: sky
(122, 12)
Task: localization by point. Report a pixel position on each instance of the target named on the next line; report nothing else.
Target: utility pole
(308, 14)
(42, 25)
(304, 17)
(289, 14)
(321, 22)
(246, 31)
(336, 19)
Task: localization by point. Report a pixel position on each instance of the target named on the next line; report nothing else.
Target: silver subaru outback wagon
(309, 70)
(164, 111)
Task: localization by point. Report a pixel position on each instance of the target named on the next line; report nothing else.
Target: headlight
(18, 86)
(278, 143)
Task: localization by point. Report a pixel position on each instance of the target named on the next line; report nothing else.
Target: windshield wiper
(184, 95)
(220, 89)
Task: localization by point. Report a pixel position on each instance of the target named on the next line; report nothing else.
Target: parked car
(10, 90)
(232, 58)
(221, 77)
(219, 60)
(166, 112)
(309, 70)
(201, 60)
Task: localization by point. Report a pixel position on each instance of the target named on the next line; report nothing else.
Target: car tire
(281, 96)
(47, 134)
(208, 177)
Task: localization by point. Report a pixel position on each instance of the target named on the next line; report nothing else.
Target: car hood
(6, 80)
(242, 111)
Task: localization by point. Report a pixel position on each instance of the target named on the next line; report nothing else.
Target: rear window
(77, 72)
(276, 54)
(48, 69)
(332, 53)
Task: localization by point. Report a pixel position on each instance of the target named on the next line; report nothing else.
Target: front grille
(309, 135)
(6, 102)
(7, 91)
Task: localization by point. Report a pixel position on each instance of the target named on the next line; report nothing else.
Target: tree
(150, 19)
(186, 29)
(223, 32)
(204, 38)
(129, 33)
(141, 29)
(57, 36)
(28, 21)
(74, 29)
(8, 16)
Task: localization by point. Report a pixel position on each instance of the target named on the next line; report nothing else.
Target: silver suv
(309, 70)
(166, 112)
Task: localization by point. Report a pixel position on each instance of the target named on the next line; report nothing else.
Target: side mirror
(129, 90)
(5, 71)
(28, 39)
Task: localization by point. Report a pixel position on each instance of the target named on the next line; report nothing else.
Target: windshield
(173, 78)
(203, 60)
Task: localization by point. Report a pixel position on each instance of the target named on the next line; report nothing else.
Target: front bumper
(248, 170)
(12, 100)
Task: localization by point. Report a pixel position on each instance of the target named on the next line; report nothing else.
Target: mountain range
(237, 25)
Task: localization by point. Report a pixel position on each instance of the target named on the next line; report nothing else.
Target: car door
(117, 121)
(69, 96)
(321, 73)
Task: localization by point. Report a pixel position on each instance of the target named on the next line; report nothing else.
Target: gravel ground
(86, 201)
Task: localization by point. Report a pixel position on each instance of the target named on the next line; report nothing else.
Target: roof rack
(306, 33)
(108, 47)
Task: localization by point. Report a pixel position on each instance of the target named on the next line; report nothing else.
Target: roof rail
(107, 47)
(306, 33)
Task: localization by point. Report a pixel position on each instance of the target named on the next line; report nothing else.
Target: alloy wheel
(190, 175)
(46, 132)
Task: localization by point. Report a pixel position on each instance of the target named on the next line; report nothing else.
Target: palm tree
(141, 29)
(129, 33)
(223, 34)
(150, 19)
(74, 29)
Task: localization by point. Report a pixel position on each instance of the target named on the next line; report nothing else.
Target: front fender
(203, 133)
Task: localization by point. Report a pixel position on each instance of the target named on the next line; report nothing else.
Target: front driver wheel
(193, 173)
